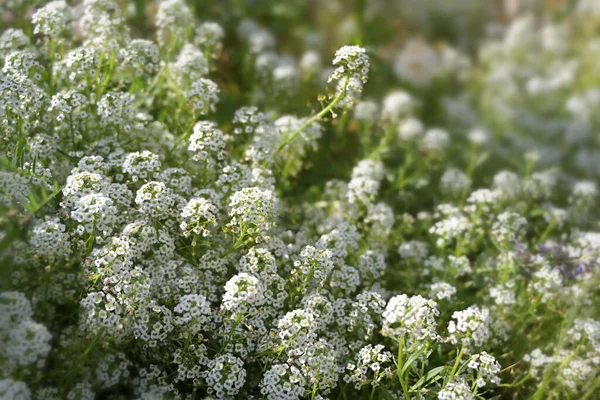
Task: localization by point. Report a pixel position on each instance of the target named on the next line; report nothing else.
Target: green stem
(314, 391)
(592, 389)
(372, 396)
(183, 137)
(517, 384)
(549, 375)
(239, 240)
(546, 233)
(314, 118)
(400, 367)
(456, 364)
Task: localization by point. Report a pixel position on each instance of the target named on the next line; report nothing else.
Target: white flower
(410, 317)
(351, 62)
(417, 63)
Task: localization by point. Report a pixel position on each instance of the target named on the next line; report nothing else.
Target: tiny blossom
(51, 239)
(507, 184)
(142, 56)
(350, 62)
(470, 327)
(441, 291)
(310, 62)
(340, 240)
(396, 105)
(12, 39)
(102, 24)
(78, 64)
(247, 119)
(503, 294)
(450, 228)
(190, 64)
(509, 228)
(173, 19)
(193, 310)
(23, 62)
(117, 109)
(95, 213)
(410, 129)
(68, 106)
(258, 261)
(370, 360)
(282, 382)
(197, 216)
(366, 111)
(152, 324)
(20, 100)
(141, 165)
(53, 19)
(241, 290)
(371, 264)
(113, 369)
(313, 263)
(478, 136)
(410, 317)
(586, 331)
(483, 197)
(456, 389)
(285, 77)
(486, 367)
(417, 63)
(454, 181)
(252, 208)
(365, 182)
(27, 343)
(155, 199)
(14, 309)
(546, 282)
(435, 140)
(584, 193)
(203, 96)
(16, 390)
(206, 142)
(296, 326)
(209, 36)
(538, 361)
(178, 179)
(413, 250)
(380, 218)
(226, 376)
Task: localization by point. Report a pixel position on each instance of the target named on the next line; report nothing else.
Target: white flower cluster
(24, 341)
(413, 318)
(486, 367)
(470, 327)
(184, 215)
(369, 360)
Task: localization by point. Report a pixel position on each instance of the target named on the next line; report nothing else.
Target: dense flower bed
(194, 204)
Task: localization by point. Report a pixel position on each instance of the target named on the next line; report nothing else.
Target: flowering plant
(194, 205)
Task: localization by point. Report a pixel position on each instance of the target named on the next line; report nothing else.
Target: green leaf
(429, 375)
(413, 358)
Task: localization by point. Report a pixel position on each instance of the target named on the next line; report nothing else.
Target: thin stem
(456, 364)
(546, 233)
(517, 384)
(592, 389)
(400, 366)
(314, 391)
(314, 118)
(183, 137)
(372, 396)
